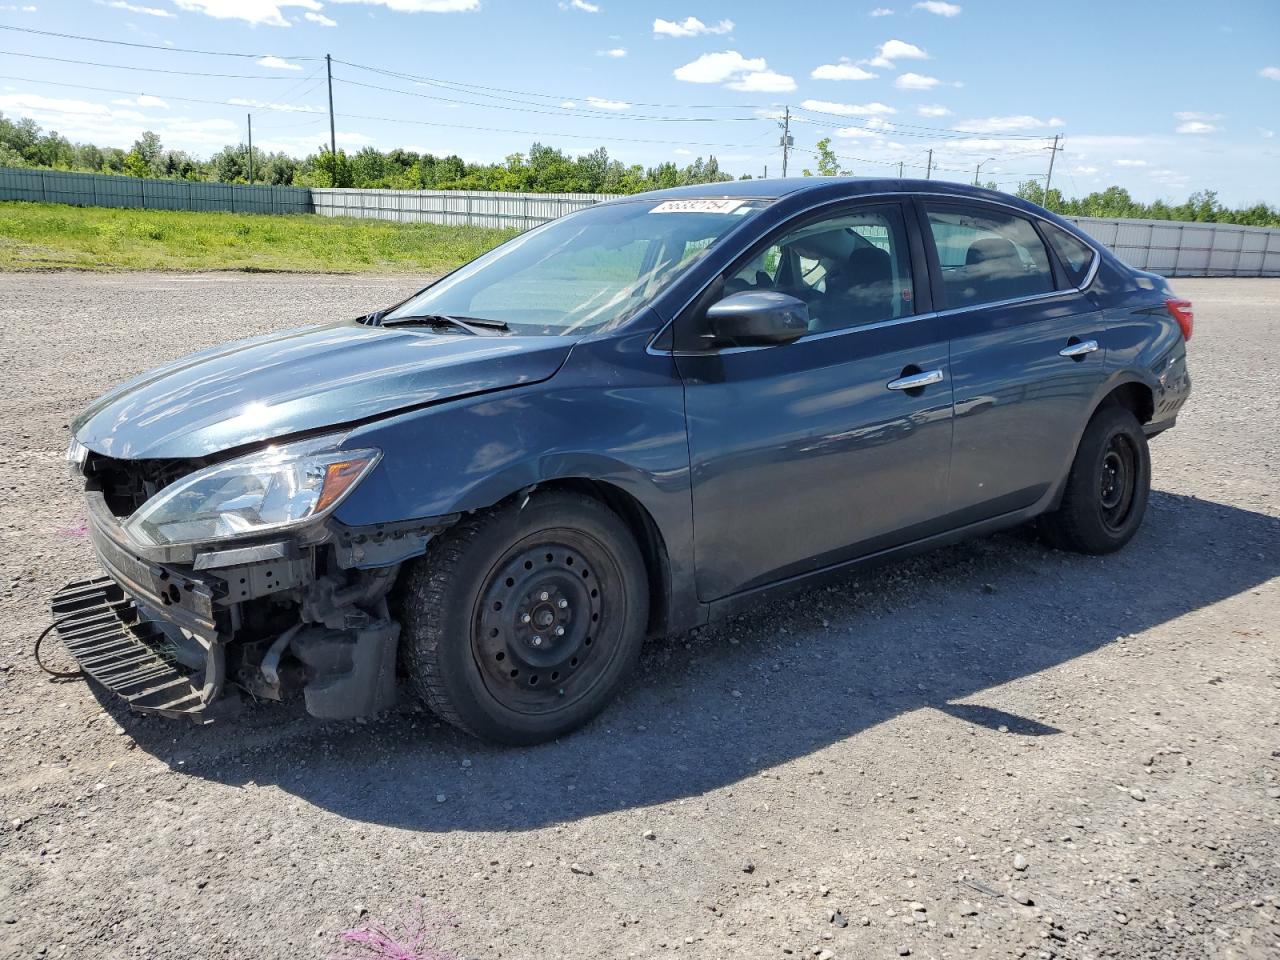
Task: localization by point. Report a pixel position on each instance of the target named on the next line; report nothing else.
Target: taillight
(1181, 311)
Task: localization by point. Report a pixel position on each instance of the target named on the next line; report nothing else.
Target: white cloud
(276, 63)
(1081, 168)
(276, 107)
(933, 110)
(1194, 122)
(763, 81)
(881, 12)
(1265, 133)
(915, 81)
(875, 129)
(939, 7)
(567, 104)
(682, 152)
(892, 50)
(268, 13)
(1195, 127)
(320, 18)
(844, 70)
(14, 8)
(1007, 124)
(1130, 163)
(582, 5)
(133, 8)
(1270, 73)
(35, 101)
(601, 104)
(417, 6)
(143, 100)
(689, 27)
(617, 53)
(849, 109)
(719, 67)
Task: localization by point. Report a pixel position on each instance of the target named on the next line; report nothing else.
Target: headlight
(276, 488)
(77, 453)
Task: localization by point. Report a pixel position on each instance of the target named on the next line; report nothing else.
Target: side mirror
(757, 318)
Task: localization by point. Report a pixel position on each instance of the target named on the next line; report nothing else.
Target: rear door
(807, 453)
(1027, 354)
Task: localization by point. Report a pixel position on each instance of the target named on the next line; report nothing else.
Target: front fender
(614, 413)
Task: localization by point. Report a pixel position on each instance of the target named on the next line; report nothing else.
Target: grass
(46, 236)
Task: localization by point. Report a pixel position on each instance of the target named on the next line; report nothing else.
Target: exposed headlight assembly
(270, 490)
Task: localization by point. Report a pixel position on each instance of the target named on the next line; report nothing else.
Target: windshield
(582, 272)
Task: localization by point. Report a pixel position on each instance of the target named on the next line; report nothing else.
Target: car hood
(302, 380)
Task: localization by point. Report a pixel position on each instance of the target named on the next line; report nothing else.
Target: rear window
(1076, 255)
(987, 256)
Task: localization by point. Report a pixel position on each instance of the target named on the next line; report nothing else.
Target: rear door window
(987, 256)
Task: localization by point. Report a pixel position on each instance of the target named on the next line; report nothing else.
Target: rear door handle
(916, 381)
(1078, 349)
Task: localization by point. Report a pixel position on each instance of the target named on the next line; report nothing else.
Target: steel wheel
(522, 622)
(536, 635)
(1117, 481)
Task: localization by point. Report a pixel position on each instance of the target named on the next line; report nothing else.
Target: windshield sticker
(697, 206)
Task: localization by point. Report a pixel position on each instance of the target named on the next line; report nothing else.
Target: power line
(126, 66)
(148, 46)
(598, 114)
(899, 124)
(541, 133)
(476, 89)
(281, 108)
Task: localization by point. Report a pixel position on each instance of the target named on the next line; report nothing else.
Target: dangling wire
(75, 674)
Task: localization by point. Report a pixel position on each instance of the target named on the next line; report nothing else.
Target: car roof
(830, 188)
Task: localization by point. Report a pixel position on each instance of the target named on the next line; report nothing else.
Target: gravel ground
(992, 751)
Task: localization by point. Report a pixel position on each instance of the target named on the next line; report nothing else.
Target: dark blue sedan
(624, 423)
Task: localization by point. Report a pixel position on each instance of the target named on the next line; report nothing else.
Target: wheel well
(1134, 397)
(649, 539)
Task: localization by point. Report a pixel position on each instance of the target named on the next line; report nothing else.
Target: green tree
(828, 162)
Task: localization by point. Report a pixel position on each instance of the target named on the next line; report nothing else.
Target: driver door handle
(1078, 349)
(916, 381)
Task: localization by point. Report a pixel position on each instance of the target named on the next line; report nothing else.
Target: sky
(1162, 97)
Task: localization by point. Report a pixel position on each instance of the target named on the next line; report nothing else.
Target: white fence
(476, 208)
(1166, 247)
(1175, 249)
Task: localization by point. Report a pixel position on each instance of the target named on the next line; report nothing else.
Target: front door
(1027, 355)
(812, 452)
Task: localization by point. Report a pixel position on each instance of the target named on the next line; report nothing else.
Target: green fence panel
(106, 190)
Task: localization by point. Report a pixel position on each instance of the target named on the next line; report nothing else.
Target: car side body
(740, 469)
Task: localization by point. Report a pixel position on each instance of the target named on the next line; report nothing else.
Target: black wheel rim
(1117, 481)
(541, 634)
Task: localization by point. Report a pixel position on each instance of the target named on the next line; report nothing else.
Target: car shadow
(767, 687)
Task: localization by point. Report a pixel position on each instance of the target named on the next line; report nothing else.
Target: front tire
(1107, 489)
(521, 623)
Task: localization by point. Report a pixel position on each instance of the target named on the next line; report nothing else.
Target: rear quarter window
(1075, 255)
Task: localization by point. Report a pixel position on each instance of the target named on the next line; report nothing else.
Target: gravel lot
(992, 751)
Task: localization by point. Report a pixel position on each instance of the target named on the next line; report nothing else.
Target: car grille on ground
(102, 629)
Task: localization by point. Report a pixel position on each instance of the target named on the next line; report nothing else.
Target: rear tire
(521, 623)
(1107, 489)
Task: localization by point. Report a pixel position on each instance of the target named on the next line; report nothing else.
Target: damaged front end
(234, 573)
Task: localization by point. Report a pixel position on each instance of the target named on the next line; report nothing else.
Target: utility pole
(928, 170)
(250, 116)
(1053, 152)
(978, 169)
(899, 169)
(766, 171)
(333, 139)
(786, 142)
